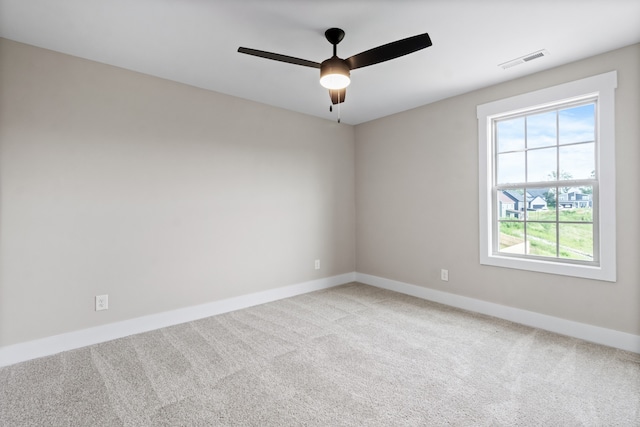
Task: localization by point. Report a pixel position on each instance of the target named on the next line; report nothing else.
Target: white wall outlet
(317, 264)
(444, 275)
(102, 302)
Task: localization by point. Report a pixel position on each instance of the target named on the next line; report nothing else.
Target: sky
(544, 141)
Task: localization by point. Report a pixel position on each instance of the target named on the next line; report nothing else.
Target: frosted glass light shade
(335, 81)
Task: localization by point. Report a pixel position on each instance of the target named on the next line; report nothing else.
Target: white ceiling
(196, 41)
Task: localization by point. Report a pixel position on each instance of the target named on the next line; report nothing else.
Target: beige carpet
(348, 356)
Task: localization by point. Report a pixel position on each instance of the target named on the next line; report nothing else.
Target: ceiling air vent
(523, 59)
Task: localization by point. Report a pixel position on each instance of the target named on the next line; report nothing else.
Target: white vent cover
(523, 59)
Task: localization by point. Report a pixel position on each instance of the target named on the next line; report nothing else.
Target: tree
(550, 198)
(588, 190)
(553, 176)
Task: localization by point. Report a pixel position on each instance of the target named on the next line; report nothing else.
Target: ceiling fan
(335, 72)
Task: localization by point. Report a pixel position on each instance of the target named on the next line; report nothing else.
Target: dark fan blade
(389, 51)
(337, 95)
(278, 57)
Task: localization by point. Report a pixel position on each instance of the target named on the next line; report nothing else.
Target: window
(547, 180)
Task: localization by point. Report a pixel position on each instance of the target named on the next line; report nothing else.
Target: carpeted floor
(353, 355)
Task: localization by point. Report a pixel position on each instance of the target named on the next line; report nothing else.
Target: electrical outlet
(102, 302)
(444, 275)
(317, 264)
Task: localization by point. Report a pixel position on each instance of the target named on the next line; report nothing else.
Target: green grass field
(576, 240)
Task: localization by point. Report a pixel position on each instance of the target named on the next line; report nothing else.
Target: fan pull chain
(331, 107)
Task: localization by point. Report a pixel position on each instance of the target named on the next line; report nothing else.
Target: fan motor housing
(335, 73)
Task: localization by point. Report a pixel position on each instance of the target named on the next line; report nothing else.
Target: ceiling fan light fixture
(334, 73)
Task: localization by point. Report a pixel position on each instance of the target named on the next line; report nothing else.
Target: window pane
(576, 205)
(576, 241)
(510, 135)
(510, 168)
(541, 164)
(541, 130)
(578, 161)
(516, 201)
(511, 237)
(541, 204)
(542, 239)
(506, 206)
(577, 124)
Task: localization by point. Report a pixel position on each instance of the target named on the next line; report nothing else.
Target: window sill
(551, 267)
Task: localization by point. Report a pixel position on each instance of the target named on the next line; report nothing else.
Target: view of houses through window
(546, 185)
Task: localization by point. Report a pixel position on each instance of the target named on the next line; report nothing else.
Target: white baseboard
(68, 341)
(71, 340)
(595, 334)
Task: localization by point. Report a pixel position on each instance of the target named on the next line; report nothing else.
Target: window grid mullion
(557, 187)
(526, 179)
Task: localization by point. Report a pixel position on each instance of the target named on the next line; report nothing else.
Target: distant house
(516, 198)
(575, 199)
(537, 203)
(538, 198)
(513, 204)
(506, 206)
(535, 199)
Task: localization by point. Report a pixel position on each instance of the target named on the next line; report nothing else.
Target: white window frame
(601, 86)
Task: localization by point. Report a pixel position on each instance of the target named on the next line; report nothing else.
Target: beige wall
(417, 203)
(159, 194)
(165, 196)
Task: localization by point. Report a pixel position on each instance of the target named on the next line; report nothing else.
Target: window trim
(601, 86)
